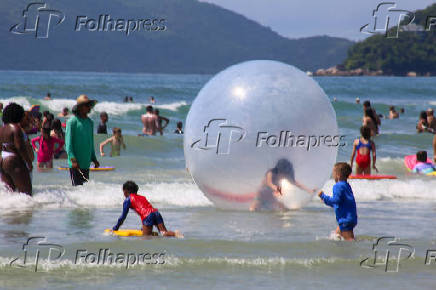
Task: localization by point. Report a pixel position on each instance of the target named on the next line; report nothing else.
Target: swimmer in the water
(179, 129)
(102, 127)
(149, 215)
(150, 122)
(161, 119)
(393, 114)
(422, 166)
(116, 142)
(372, 114)
(57, 132)
(26, 124)
(431, 120)
(270, 190)
(46, 149)
(422, 125)
(15, 162)
(64, 114)
(369, 121)
(363, 148)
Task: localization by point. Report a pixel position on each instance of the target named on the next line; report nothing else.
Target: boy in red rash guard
(149, 215)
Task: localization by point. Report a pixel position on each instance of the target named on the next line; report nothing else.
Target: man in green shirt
(79, 141)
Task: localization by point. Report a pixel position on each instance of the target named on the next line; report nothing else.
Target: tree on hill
(411, 51)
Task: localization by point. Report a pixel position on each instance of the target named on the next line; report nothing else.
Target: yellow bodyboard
(125, 233)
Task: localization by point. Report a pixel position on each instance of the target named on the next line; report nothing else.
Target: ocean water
(222, 249)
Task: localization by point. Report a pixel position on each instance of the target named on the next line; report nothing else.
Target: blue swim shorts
(346, 227)
(153, 219)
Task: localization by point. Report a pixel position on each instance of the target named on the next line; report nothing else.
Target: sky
(304, 18)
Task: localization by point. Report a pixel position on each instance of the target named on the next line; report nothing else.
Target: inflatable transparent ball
(261, 135)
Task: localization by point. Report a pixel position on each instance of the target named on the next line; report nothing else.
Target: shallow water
(221, 249)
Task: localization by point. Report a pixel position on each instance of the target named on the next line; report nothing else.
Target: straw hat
(84, 100)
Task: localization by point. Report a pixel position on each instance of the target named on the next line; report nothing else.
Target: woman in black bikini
(15, 163)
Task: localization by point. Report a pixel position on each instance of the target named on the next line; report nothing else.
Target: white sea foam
(21, 100)
(101, 195)
(368, 190)
(107, 195)
(173, 261)
(112, 108)
(172, 106)
(57, 105)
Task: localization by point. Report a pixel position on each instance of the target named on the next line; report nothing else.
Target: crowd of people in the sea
(364, 149)
(364, 156)
(76, 143)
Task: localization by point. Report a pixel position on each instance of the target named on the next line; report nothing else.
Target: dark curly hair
(13, 113)
(130, 186)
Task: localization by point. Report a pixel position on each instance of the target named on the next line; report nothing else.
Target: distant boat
(309, 73)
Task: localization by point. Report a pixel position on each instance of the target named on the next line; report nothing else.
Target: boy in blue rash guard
(342, 201)
(149, 215)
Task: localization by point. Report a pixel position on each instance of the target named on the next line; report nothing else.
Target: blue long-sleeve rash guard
(126, 207)
(343, 202)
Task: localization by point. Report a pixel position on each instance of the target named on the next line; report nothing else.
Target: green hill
(411, 51)
(199, 38)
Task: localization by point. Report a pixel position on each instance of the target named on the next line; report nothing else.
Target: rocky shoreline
(342, 72)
